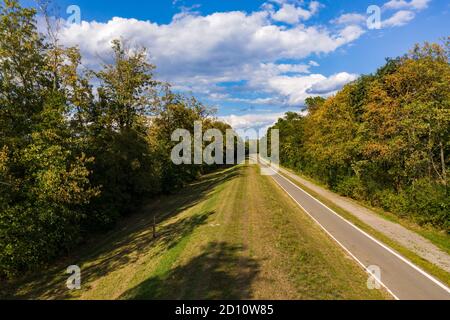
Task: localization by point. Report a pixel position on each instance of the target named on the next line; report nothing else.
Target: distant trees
(74, 158)
(384, 138)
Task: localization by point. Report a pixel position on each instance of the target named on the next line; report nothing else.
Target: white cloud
(196, 52)
(220, 40)
(292, 14)
(402, 4)
(400, 18)
(286, 90)
(404, 16)
(351, 33)
(251, 121)
(256, 101)
(296, 68)
(332, 83)
(350, 18)
(187, 11)
(297, 88)
(294, 88)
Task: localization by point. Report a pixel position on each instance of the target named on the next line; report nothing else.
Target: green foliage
(384, 138)
(44, 178)
(429, 202)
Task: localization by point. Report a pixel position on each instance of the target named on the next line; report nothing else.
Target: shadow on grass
(132, 238)
(220, 272)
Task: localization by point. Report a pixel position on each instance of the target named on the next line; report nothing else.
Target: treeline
(79, 148)
(383, 139)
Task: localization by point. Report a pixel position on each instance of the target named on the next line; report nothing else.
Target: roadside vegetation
(234, 234)
(383, 139)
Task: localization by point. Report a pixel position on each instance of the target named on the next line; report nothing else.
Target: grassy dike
(233, 235)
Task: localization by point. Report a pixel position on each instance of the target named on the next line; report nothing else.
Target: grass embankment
(435, 236)
(232, 235)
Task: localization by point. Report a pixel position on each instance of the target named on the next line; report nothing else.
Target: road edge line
(430, 277)
(366, 269)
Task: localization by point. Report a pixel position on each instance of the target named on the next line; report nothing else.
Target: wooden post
(154, 227)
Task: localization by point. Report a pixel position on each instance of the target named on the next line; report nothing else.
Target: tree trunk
(444, 173)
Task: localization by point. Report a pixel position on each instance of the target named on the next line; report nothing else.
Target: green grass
(233, 235)
(410, 255)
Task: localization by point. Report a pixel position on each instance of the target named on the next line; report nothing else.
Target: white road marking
(440, 284)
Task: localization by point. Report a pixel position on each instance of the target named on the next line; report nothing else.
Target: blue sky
(256, 59)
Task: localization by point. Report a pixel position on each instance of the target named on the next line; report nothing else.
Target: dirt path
(409, 239)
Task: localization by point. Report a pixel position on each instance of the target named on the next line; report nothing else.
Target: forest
(79, 148)
(383, 139)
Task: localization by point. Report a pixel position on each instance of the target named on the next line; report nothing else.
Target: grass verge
(233, 235)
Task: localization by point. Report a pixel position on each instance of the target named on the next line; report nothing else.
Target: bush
(395, 203)
(429, 202)
(426, 202)
(352, 187)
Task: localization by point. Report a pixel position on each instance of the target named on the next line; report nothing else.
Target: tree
(116, 129)
(72, 160)
(383, 138)
(46, 177)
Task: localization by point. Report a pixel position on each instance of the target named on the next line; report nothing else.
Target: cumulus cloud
(408, 12)
(351, 33)
(234, 57)
(274, 100)
(400, 18)
(405, 12)
(289, 90)
(292, 14)
(251, 121)
(296, 68)
(350, 18)
(402, 4)
(197, 53)
(296, 89)
(332, 83)
(240, 57)
(219, 40)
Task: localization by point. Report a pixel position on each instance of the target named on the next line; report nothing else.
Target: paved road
(401, 278)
